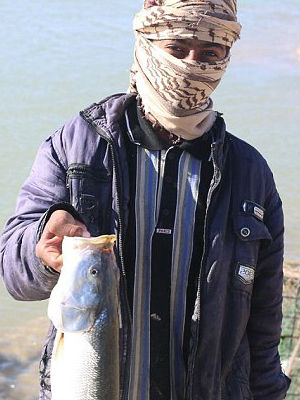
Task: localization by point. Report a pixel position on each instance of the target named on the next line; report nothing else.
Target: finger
(62, 223)
(54, 261)
(49, 239)
(85, 232)
(49, 255)
(54, 240)
(58, 263)
(69, 230)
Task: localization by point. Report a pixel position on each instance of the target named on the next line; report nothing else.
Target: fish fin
(58, 345)
(57, 366)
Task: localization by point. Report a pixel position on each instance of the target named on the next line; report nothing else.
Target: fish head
(87, 286)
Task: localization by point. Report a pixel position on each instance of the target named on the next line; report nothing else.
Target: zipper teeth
(214, 186)
(119, 214)
(123, 296)
(217, 177)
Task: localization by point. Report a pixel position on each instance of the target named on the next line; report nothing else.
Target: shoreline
(20, 352)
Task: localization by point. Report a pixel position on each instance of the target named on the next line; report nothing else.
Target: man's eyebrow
(208, 44)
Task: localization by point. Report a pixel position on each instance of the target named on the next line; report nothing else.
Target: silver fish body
(84, 307)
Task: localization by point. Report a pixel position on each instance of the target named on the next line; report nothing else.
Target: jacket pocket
(90, 190)
(249, 233)
(248, 228)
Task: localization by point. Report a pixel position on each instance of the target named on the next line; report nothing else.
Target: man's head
(182, 50)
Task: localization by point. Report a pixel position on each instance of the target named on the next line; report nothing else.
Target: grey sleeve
(24, 276)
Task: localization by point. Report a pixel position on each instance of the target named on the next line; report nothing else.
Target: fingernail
(86, 234)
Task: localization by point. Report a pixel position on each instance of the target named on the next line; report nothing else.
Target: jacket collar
(106, 116)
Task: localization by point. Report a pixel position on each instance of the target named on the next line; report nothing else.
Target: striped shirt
(169, 187)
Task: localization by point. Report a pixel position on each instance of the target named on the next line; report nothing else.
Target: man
(197, 216)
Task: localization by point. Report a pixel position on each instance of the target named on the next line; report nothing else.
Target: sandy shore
(20, 352)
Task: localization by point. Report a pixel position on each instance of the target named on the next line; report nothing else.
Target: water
(58, 56)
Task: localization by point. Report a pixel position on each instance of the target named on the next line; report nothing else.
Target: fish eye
(93, 271)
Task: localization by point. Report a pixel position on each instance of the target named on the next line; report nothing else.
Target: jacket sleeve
(23, 273)
(264, 328)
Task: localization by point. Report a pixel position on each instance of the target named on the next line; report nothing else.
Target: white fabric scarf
(176, 92)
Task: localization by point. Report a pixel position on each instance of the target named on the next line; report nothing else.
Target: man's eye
(176, 51)
(210, 53)
(175, 48)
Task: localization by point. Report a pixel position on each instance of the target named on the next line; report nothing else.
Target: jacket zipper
(216, 180)
(124, 299)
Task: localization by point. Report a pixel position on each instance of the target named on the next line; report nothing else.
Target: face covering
(175, 92)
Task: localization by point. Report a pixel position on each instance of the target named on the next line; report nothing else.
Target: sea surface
(59, 56)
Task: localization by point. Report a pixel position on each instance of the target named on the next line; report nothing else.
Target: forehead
(193, 43)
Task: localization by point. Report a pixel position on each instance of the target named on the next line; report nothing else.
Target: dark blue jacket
(236, 325)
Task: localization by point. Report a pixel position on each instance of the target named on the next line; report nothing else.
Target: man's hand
(60, 224)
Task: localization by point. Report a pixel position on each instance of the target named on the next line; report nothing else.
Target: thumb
(73, 230)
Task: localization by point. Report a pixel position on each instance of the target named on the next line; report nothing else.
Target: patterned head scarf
(176, 92)
(213, 21)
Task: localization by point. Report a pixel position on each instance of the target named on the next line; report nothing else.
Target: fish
(84, 308)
